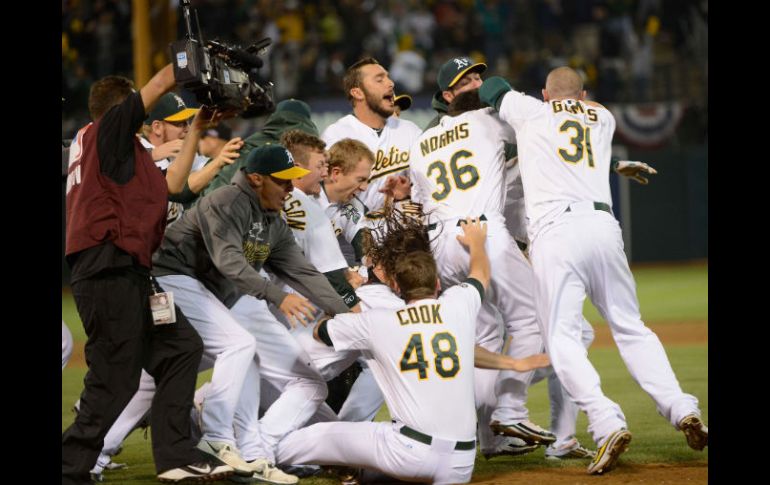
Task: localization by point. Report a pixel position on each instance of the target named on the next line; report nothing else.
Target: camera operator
(116, 214)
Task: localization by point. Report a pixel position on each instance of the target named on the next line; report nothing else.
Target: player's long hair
(395, 235)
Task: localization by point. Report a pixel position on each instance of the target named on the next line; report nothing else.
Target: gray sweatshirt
(226, 239)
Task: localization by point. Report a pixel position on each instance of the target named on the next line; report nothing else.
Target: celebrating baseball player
(419, 355)
(370, 92)
(577, 250)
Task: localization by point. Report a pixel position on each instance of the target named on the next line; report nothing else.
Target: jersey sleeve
(332, 134)
(349, 331)
(517, 107)
(463, 299)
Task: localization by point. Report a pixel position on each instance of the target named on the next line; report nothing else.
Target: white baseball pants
(377, 446)
(581, 253)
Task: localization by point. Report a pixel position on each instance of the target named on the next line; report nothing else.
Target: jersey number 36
(464, 177)
(446, 361)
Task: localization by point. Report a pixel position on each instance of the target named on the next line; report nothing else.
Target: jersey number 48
(447, 362)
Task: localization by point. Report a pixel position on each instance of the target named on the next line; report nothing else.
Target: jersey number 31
(581, 143)
(446, 361)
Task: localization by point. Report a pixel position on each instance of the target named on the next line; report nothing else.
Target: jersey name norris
(574, 108)
(440, 141)
(420, 314)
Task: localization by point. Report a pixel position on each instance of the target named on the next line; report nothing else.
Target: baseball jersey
(175, 209)
(421, 356)
(458, 166)
(564, 153)
(313, 231)
(391, 149)
(347, 219)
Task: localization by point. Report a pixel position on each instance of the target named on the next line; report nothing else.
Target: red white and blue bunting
(647, 125)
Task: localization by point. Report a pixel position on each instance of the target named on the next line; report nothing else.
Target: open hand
(297, 308)
(633, 170)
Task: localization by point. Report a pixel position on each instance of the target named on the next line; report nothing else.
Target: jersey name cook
(420, 314)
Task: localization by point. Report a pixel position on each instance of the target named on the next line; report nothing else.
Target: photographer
(116, 214)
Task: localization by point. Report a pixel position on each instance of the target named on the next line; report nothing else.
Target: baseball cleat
(228, 454)
(196, 472)
(509, 446)
(572, 449)
(608, 454)
(695, 431)
(525, 430)
(265, 472)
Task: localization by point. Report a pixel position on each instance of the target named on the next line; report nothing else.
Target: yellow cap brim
(294, 172)
(185, 114)
(404, 101)
(469, 68)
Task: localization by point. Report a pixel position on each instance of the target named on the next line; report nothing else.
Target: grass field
(668, 296)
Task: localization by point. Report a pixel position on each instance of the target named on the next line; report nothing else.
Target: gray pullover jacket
(226, 239)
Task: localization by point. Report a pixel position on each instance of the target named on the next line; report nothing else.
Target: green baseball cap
(452, 70)
(274, 160)
(295, 106)
(170, 107)
(403, 101)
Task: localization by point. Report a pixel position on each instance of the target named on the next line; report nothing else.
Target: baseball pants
(377, 446)
(66, 344)
(582, 253)
(510, 291)
(114, 308)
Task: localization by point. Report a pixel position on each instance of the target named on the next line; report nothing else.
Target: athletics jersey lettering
(295, 215)
(433, 143)
(574, 107)
(420, 314)
(383, 165)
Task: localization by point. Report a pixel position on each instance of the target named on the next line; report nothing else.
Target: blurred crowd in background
(629, 51)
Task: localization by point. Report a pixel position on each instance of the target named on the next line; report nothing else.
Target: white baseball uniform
(577, 249)
(458, 170)
(564, 411)
(313, 231)
(175, 209)
(66, 344)
(390, 147)
(422, 359)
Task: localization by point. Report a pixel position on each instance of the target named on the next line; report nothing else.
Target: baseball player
(458, 170)
(164, 129)
(350, 167)
(210, 259)
(312, 229)
(419, 355)
(577, 250)
(370, 91)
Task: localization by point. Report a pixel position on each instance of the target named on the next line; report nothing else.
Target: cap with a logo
(403, 101)
(274, 160)
(452, 70)
(170, 107)
(220, 131)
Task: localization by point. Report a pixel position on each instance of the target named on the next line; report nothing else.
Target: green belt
(424, 438)
(600, 206)
(431, 227)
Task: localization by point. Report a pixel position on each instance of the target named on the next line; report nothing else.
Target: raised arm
(473, 238)
(161, 83)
